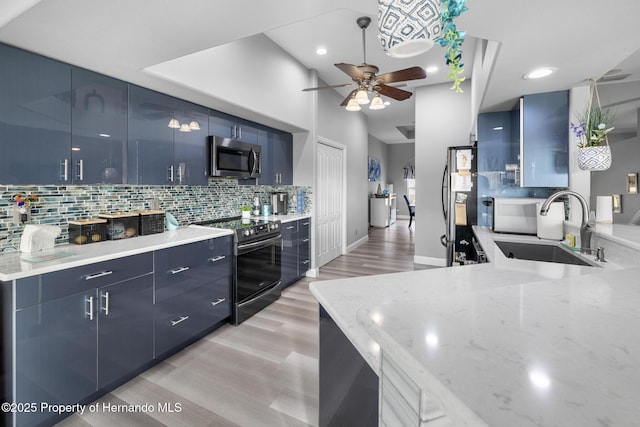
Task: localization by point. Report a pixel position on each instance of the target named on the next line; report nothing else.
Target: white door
(329, 199)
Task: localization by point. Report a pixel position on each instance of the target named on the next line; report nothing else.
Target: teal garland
(452, 40)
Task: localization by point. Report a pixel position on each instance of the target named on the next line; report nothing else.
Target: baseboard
(312, 272)
(356, 244)
(426, 260)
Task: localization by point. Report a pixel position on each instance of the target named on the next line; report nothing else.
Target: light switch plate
(617, 203)
(632, 183)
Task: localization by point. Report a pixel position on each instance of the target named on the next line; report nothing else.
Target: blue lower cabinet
(182, 319)
(55, 354)
(296, 260)
(125, 328)
(289, 253)
(304, 246)
(193, 291)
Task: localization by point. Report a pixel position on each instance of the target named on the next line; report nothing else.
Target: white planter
(246, 214)
(594, 158)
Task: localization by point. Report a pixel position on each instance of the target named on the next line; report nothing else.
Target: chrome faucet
(586, 230)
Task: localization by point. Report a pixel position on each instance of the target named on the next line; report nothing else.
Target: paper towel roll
(604, 209)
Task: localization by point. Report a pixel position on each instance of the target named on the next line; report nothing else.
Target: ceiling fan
(366, 78)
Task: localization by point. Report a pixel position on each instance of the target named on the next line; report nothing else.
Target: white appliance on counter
(515, 215)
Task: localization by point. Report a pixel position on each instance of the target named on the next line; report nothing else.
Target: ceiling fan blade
(393, 92)
(346, 100)
(350, 69)
(326, 87)
(413, 73)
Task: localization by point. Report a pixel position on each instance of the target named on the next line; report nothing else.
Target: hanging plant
(452, 40)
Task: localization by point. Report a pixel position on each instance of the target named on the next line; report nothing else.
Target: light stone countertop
(14, 265)
(285, 218)
(501, 328)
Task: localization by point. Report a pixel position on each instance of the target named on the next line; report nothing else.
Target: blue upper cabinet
(545, 140)
(99, 128)
(281, 157)
(227, 126)
(35, 112)
(190, 144)
(150, 145)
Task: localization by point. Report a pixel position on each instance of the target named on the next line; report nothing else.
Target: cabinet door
(186, 267)
(190, 146)
(281, 155)
(304, 246)
(150, 141)
(289, 257)
(125, 328)
(99, 132)
(227, 126)
(35, 129)
(545, 140)
(56, 353)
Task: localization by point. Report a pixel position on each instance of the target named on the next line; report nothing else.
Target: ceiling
(582, 38)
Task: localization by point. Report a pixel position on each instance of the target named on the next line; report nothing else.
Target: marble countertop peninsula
(16, 265)
(506, 343)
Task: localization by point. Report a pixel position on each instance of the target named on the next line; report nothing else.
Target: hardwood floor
(263, 372)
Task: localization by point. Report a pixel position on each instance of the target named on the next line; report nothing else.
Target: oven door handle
(262, 243)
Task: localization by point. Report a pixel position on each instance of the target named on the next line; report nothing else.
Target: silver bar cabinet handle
(90, 312)
(178, 270)
(96, 275)
(106, 303)
(179, 320)
(214, 303)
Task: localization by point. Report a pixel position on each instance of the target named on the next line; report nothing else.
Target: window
(411, 190)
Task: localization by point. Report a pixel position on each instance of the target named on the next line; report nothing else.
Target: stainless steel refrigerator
(460, 206)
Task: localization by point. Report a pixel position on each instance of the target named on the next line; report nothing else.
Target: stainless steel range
(257, 264)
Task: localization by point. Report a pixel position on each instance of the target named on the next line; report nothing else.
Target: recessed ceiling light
(539, 73)
(387, 103)
(432, 69)
(321, 51)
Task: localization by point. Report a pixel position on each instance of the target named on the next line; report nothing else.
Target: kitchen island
(507, 343)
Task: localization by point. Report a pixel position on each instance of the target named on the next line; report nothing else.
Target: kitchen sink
(541, 252)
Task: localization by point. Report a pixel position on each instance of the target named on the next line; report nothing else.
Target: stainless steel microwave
(234, 158)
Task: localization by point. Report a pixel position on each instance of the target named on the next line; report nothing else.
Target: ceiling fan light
(174, 124)
(352, 105)
(194, 125)
(185, 128)
(362, 97)
(377, 103)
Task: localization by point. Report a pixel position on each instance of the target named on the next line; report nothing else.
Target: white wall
(400, 155)
(380, 151)
(442, 120)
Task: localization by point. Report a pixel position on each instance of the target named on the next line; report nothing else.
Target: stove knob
(246, 233)
(252, 231)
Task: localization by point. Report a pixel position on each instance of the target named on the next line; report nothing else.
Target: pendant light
(185, 128)
(362, 97)
(408, 27)
(174, 124)
(353, 105)
(194, 125)
(377, 103)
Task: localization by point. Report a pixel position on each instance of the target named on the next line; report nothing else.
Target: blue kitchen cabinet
(190, 147)
(193, 291)
(289, 256)
(35, 111)
(79, 330)
(281, 157)
(545, 136)
(99, 107)
(125, 328)
(150, 139)
(304, 246)
(296, 238)
(228, 126)
(55, 354)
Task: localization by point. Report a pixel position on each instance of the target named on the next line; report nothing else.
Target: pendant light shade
(174, 124)
(408, 27)
(353, 105)
(377, 103)
(185, 128)
(194, 125)
(362, 97)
